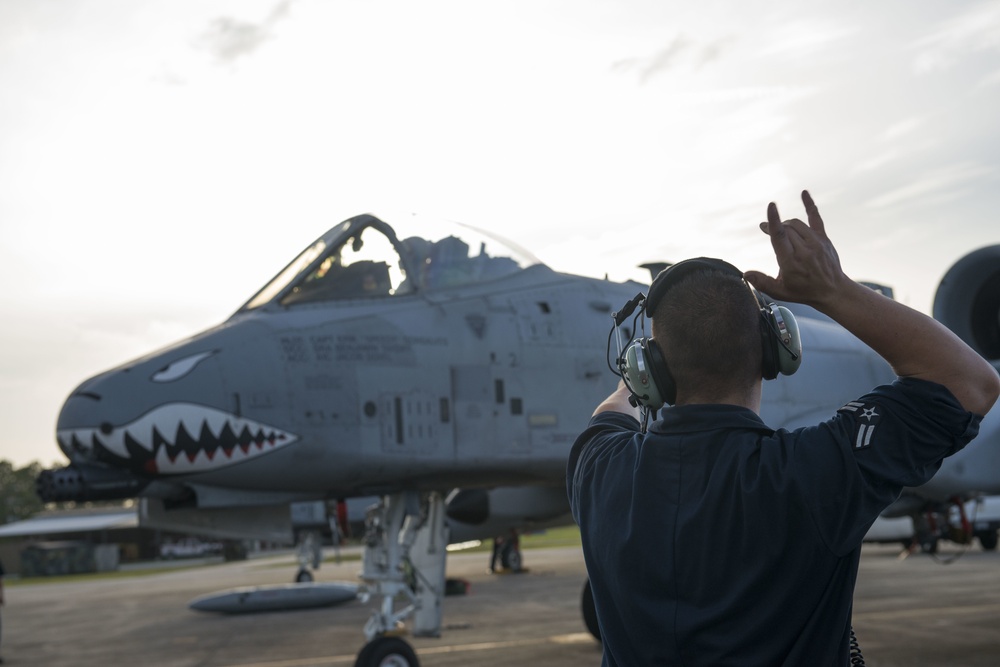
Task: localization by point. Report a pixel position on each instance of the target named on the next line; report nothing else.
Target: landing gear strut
(311, 519)
(405, 553)
(309, 552)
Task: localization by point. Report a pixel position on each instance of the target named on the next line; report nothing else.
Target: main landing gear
(309, 553)
(405, 553)
(309, 534)
(507, 551)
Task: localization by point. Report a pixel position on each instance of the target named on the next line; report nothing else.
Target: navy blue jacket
(715, 540)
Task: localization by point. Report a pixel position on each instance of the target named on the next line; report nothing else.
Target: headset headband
(673, 274)
(643, 366)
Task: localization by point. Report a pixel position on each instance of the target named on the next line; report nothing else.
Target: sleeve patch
(866, 418)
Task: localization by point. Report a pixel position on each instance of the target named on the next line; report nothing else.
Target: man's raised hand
(808, 266)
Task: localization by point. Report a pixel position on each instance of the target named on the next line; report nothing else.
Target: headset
(642, 365)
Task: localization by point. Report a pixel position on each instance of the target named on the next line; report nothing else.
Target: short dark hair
(708, 327)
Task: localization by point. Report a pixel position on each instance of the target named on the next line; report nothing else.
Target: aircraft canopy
(363, 258)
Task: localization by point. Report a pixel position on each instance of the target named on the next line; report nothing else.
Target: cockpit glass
(366, 258)
(447, 255)
(278, 283)
(364, 265)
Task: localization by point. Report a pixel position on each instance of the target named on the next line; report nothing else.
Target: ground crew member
(713, 539)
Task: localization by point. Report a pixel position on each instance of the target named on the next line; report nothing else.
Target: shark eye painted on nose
(175, 370)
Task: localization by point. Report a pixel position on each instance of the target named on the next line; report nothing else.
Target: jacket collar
(707, 417)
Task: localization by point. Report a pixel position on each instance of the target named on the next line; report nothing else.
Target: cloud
(229, 39)
(903, 127)
(681, 51)
(168, 77)
(878, 161)
(900, 135)
(804, 38)
(977, 30)
(990, 80)
(663, 60)
(936, 186)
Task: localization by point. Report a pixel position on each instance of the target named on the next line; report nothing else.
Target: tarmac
(911, 611)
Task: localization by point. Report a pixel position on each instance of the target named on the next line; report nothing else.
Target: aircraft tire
(387, 652)
(510, 559)
(589, 611)
(303, 576)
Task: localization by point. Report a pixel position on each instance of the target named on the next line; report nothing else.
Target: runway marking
(574, 638)
(924, 611)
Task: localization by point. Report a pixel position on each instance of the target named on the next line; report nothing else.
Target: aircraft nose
(148, 423)
(90, 423)
(75, 425)
(125, 416)
(177, 411)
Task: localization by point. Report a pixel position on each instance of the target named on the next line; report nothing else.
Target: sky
(161, 160)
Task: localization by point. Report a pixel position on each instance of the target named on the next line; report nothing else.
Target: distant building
(64, 542)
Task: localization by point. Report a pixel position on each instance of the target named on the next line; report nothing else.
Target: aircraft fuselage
(428, 368)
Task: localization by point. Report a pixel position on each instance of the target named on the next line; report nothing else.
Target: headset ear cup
(768, 347)
(778, 356)
(638, 377)
(790, 354)
(661, 372)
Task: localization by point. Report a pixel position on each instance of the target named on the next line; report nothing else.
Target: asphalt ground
(911, 612)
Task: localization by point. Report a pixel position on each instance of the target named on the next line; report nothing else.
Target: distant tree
(18, 499)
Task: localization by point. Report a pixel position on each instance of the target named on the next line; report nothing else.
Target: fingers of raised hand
(798, 231)
(777, 231)
(761, 281)
(812, 213)
(773, 219)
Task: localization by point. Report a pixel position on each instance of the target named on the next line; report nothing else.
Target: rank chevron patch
(866, 417)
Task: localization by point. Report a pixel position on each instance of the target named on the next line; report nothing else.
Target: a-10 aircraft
(444, 373)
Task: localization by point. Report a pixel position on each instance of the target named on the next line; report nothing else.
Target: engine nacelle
(471, 506)
(968, 300)
(475, 514)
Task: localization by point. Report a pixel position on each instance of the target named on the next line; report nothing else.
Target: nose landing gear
(387, 652)
(405, 552)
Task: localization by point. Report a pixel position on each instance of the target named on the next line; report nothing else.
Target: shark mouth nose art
(177, 438)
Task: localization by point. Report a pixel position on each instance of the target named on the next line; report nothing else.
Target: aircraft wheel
(590, 611)
(304, 576)
(387, 652)
(510, 557)
(512, 561)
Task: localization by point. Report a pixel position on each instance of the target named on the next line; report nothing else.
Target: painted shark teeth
(179, 438)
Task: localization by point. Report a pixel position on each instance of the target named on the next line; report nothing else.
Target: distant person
(495, 557)
(713, 539)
